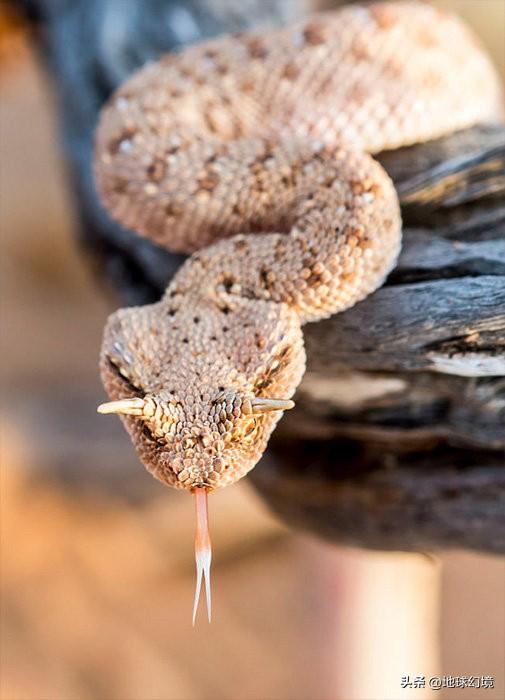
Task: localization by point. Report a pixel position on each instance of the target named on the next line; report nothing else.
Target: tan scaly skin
(253, 150)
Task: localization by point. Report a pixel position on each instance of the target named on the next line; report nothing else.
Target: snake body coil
(254, 151)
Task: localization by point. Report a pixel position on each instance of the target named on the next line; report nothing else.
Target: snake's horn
(203, 551)
(127, 407)
(261, 405)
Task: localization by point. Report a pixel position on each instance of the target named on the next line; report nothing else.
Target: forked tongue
(203, 552)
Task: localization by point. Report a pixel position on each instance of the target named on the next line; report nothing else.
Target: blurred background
(97, 558)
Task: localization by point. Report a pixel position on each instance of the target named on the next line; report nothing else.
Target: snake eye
(250, 429)
(125, 376)
(159, 417)
(151, 437)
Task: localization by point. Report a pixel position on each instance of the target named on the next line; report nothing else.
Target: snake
(253, 153)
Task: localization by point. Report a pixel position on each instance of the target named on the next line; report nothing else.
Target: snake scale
(253, 153)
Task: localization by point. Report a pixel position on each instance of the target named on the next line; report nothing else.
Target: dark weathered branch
(436, 324)
(398, 439)
(461, 168)
(399, 436)
(425, 504)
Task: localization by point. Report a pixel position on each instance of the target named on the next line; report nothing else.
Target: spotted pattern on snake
(254, 151)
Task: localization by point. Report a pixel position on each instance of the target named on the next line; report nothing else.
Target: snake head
(200, 389)
(201, 445)
(199, 411)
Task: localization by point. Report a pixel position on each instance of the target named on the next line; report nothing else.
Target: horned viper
(254, 151)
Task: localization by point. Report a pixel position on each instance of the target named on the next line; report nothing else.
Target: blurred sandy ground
(97, 568)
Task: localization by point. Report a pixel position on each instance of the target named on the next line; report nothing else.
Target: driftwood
(398, 438)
